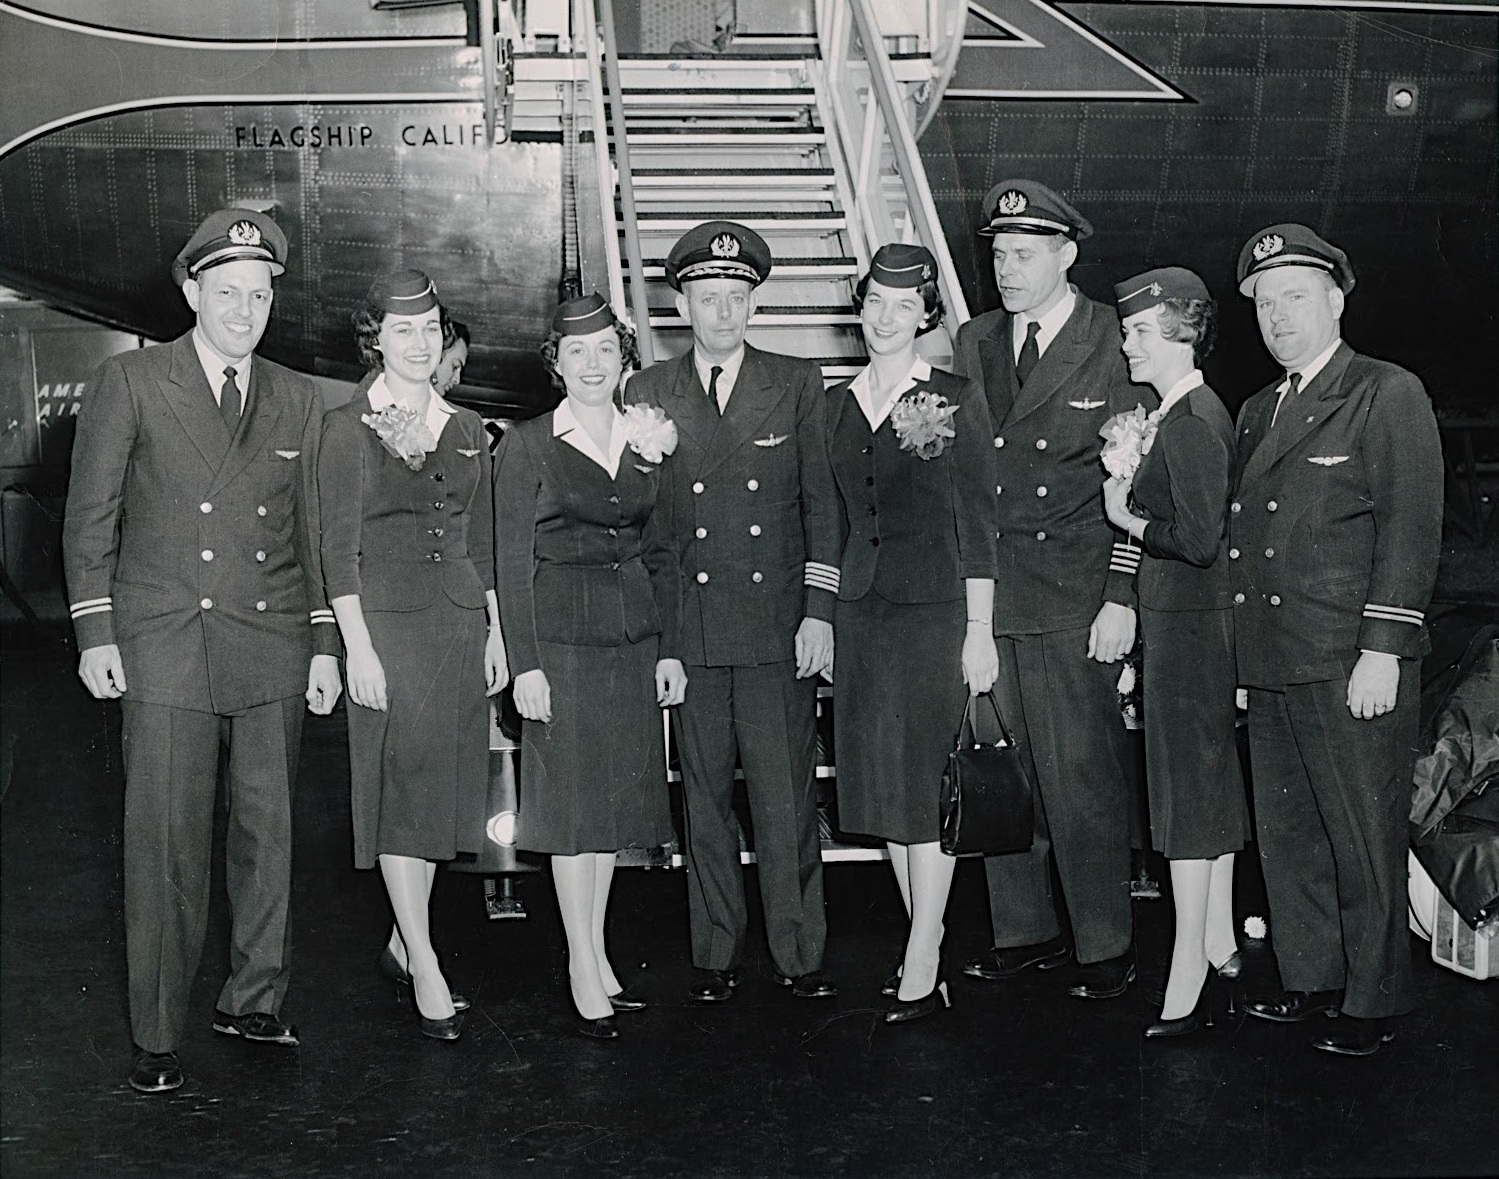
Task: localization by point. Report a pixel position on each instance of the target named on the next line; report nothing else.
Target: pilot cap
(718, 249)
(1154, 287)
(897, 265)
(403, 292)
(229, 235)
(583, 316)
(1027, 206)
(1291, 245)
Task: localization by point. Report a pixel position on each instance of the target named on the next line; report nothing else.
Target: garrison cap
(1026, 206)
(583, 316)
(897, 265)
(403, 292)
(229, 235)
(1154, 287)
(718, 249)
(1291, 244)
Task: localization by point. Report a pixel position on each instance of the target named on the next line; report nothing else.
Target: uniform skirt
(594, 779)
(898, 697)
(1192, 774)
(420, 769)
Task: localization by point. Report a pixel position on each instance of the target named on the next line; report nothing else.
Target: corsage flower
(923, 423)
(1128, 438)
(403, 433)
(649, 432)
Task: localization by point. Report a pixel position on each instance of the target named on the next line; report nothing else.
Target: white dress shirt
(1308, 375)
(214, 366)
(1051, 323)
(863, 391)
(566, 426)
(726, 378)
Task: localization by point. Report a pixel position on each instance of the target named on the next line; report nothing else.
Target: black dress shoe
(905, 1010)
(624, 1000)
(713, 986)
(441, 1029)
(812, 985)
(603, 1028)
(1356, 1037)
(259, 1026)
(387, 965)
(1294, 1006)
(1007, 963)
(1104, 980)
(155, 1072)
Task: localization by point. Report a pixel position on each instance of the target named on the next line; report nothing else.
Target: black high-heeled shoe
(1201, 1015)
(439, 1029)
(387, 965)
(1232, 967)
(905, 1010)
(891, 986)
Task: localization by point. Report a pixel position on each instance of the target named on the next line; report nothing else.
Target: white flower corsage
(1128, 438)
(649, 432)
(402, 432)
(923, 423)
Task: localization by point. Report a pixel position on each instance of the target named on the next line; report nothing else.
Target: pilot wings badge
(772, 440)
(1086, 403)
(1327, 460)
(288, 454)
(467, 453)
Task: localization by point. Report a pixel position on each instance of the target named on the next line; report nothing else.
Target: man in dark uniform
(191, 553)
(1049, 365)
(756, 515)
(1334, 529)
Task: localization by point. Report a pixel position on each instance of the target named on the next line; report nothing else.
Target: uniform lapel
(749, 405)
(689, 407)
(261, 411)
(1299, 417)
(997, 359)
(1057, 363)
(191, 399)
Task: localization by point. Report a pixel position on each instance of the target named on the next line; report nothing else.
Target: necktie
(1030, 353)
(1293, 387)
(229, 400)
(713, 374)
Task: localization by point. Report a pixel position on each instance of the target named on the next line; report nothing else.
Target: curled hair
(629, 353)
(1190, 321)
(453, 330)
(367, 319)
(931, 300)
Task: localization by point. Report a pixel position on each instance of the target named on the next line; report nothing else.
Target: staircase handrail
(586, 24)
(639, 302)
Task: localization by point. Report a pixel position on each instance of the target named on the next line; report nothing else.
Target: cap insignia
(1268, 246)
(244, 233)
(725, 245)
(926, 272)
(1010, 202)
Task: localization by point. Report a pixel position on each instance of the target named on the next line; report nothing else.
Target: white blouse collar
(566, 426)
(863, 393)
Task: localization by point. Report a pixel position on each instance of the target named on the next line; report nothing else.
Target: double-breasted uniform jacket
(398, 538)
(754, 506)
(583, 559)
(914, 528)
(1057, 560)
(194, 549)
(1335, 526)
(1183, 486)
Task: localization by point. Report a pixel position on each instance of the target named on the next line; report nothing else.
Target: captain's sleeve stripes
(1393, 614)
(820, 576)
(92, 606)
(1125, 559)
(322, 615)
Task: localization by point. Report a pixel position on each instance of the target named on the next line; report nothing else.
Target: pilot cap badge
(1271, 243)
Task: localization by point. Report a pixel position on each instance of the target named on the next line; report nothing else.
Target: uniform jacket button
(875, 540)
(1271, 506)
(757, 577)
(437, 477)
(1040, 536)
(614, 532)
(998, 442)
(1041, 491)
(753, 485)
(438, 504)
(614, 499)
(1233, 507)
(206, 603)
(869, 450)
(260, 605)
(1275, 599)
(873, 511)
(1269, 552)
(208, 554)
(1238, 599)
(437, 556)
(260, 511)
(205, 507)
(697, 489)
(998, 490)
(437, 531)
(614, 565)
(702, 579)
(701, 532)
(754, 530)
(1040, 443)
(260, 555)
(868, 480)
(1233, 554)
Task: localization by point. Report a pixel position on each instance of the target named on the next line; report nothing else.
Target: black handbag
(987, 806)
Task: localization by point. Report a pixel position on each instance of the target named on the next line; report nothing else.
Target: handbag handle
(966, 723)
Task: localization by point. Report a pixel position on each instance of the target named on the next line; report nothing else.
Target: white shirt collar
(214, 366)
(863, 393)
(1051, 323)
(438, 410)
(1309, 371)
(566, 426)
(726, 378)
(1178, 391)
